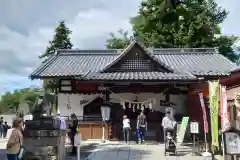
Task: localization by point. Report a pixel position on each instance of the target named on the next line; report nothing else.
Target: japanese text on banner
(214, 108)
(205, 122)
(225, 119)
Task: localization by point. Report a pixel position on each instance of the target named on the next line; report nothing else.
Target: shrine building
(131, 80)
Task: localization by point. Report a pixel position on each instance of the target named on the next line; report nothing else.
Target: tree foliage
(193, 24)
(61, 40)
(10, 101)
(120, 41)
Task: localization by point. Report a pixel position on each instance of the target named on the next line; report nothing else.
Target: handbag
(21, 151)
(77, 140)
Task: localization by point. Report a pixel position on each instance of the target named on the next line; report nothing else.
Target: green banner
(214, 109)
(182, 130)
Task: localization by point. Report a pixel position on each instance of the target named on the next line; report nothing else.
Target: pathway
(118, 151)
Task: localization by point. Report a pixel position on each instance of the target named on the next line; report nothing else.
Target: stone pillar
(43, 139)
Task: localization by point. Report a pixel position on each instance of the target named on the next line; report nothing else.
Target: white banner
(225, 119)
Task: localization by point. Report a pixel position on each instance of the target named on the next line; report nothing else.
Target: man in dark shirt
(5, 127)
(141, 127)
(1, 127)
(73, 131)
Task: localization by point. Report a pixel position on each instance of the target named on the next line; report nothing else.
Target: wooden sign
(85, 87)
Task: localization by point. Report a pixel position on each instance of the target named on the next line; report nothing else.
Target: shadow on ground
(129, 152)
(85, 151)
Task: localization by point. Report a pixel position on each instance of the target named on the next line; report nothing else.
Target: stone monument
(43, 138)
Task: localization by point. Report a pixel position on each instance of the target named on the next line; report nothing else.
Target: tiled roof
(88, 64)
(147, 52)
(139, 75)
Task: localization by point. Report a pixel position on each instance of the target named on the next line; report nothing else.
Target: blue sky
(26, 26)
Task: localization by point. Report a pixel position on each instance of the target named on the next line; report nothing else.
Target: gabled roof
(145, 50)
(186, 64)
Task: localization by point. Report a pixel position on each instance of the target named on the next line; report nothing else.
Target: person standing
(168, 124)
(126, 129)
(73, 131)
(1, 128)
(141, 127)
(15, 140)
(5, 129)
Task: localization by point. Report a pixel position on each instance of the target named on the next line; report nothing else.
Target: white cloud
(27, 26)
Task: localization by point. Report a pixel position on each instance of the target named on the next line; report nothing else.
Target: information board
(194, 127)
(232, 142)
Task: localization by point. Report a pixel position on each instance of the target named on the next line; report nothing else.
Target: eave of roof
(186, 60)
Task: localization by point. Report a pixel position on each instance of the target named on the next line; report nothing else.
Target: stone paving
(86, 149)
(120, 151)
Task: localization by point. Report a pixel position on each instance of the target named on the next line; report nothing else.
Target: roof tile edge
(155, 50)
(186, 50)
(89, 51)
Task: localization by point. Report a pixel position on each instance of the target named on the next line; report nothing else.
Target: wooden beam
(147, 89)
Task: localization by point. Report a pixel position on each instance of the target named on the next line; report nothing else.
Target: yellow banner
(214, 109)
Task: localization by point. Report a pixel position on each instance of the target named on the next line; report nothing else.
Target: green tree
(10, 101)
(120, 41)
(61, 40)
(193, 24)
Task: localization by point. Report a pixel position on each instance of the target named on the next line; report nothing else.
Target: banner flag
(214, 109)
(205, 122)
(225, 117)
(182, 130)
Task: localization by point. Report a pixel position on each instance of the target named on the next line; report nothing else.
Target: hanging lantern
(142, 107)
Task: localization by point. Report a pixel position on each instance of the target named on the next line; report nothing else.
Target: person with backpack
(141, 127)
(14, 143)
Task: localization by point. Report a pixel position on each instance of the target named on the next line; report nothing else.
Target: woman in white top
(126, 129)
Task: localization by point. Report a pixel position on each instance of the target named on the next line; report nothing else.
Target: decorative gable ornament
(131, 60)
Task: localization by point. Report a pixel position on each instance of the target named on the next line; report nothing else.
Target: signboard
(232, 143)
(194, 128)
(182, 129)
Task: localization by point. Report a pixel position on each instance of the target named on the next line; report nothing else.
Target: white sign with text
(194, 127)
(232, 142)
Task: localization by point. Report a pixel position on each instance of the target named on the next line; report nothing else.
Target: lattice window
(136, 62)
